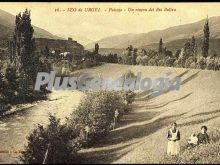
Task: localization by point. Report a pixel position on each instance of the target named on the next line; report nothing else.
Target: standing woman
(173, 147)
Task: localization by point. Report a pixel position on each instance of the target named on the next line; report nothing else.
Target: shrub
(97, 110)
(142, 60)
(202, 64)
(189, 61)
(12, 83)
(153, 62)
(3, 92)
(129, 97)
(4, 108)
(88, 63)
(212, 65)
(59, 140)
(161, 62)
(170, 62)
(139, 60)
(128, 74)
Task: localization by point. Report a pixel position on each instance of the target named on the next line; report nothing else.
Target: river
(15, 128)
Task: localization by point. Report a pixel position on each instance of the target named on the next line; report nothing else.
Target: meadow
(141, 135)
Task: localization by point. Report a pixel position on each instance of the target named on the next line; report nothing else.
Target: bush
(193, 65)
(202, 64)
(139, 60)
(128, 74)
(129, 97)
(4, 108)
(60, 141)
(170, 62)
(88, 63)
(142, 60)
(188, 62)
(3, 92)
(212, 65)
(12, 83)
(153, 62)
(97, 110)
(161, 62)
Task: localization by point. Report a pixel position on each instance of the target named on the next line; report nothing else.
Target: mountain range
(170, 34)
(173, 37)
(7, 24)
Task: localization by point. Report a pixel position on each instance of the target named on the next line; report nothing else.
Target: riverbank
(15, 129)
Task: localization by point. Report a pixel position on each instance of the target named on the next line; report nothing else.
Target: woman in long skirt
(173, 147)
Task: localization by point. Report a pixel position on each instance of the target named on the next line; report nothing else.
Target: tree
(58, 140)
(30, 62)
(168, 53)
(160, 46)
(127, 55)
(194, 49)
(28, 59)
(95, 54)
(97, 111)
(2, 87)
(193, 44)
(187, 51)
(205, 46)
(47, 51)
(12, 83)
(177, 53)
(25, 46)
(96, 48)
(134, 56)
(214, 55)
(202, 64)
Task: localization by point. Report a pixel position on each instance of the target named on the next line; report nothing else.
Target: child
(193, 141)
(203, 137)
(173, 147)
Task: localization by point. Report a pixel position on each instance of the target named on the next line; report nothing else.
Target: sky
(109, 22)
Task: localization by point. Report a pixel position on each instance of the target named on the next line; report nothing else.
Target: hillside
(178, 44)
(84, 40)
(57, 44)
(141, 136)
(106, 51)
(7, 23)
(172, 45)
(169, 34)
(42, 37)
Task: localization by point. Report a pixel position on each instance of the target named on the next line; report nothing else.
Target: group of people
(173, 147)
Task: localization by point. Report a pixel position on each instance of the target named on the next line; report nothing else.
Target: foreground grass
(205, 154)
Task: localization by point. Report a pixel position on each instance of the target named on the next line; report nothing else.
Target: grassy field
(141, 135)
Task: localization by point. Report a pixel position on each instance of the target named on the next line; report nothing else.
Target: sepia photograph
(109, 83)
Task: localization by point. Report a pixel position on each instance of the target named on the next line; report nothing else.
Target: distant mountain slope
(170, 34)
(178, 44)
(118, 41)
(172, 45)
(84, 40)
(7, 23)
